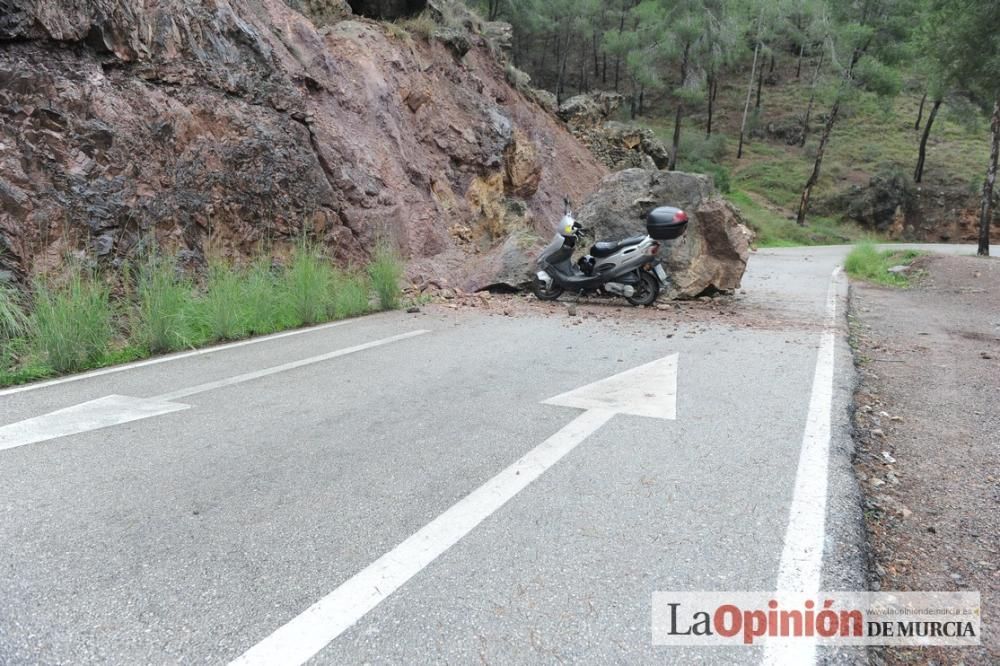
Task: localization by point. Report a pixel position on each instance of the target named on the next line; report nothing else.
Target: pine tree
(864, 48)
(966, 46)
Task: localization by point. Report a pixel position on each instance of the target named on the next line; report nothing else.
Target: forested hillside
(877, 111)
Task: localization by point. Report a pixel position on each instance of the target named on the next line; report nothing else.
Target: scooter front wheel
(646, 291)
(543, 294)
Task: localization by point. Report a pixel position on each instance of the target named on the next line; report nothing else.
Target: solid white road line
(257, 374)
(172, 357)
(101, 413)
(115, 409)
(801, 566)
(308, 633)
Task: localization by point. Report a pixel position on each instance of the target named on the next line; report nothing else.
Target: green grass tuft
(13, 319)
(386, 271)
(223, 308)
(350, 295)
(867, 262)
(72, 324)
(164, 316)
(265, 312)
(13, 374)
(307, 286)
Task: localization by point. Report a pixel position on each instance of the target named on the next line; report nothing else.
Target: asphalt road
(191, 535)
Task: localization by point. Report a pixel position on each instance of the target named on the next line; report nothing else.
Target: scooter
(629, 267)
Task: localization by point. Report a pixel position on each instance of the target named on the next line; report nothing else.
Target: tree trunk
(770, 70)
(746, 107)
(918, 173)
(798, 64)
(675, 144)
(540, 60)
(642, 99)
(597, 57)
(812, 100)
(760, 80)
(618, 60)
(920, 112)
(814, 176)
(711, 96)
(827, 130)
(561, 60)
(680, 111)
(562, 77)
(986, 213)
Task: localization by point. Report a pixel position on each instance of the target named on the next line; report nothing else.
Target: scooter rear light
(681, 216)
(654, 249)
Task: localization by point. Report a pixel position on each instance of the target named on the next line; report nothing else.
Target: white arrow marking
(116, 409)
(313, 629)
(101, 413)
(649, 390)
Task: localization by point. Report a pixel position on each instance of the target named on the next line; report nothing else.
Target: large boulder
(710, 257)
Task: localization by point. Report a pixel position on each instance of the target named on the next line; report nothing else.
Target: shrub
(164, 317)
(386, 270)
(719, 174)
(306, 286)
(699, 148)
(71, 325)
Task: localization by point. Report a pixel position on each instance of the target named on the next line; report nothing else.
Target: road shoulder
(926, 431)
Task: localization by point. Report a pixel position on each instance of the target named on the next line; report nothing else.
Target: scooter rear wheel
(543, 294)
(646, 291)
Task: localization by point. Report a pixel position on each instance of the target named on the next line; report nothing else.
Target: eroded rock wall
(240, 123)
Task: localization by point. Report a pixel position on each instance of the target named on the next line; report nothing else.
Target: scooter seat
(608, 248)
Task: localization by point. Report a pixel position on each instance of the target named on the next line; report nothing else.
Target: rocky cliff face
(240, 123)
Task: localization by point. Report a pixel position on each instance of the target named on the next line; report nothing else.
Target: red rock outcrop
(241, 123)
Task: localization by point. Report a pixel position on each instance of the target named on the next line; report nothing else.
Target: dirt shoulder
(928, 438)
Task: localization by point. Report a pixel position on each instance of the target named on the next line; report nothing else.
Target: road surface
(436, 487)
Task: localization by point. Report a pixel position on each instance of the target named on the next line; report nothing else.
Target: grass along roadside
(886, 267)
(774, 229)
(76, 324)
